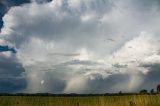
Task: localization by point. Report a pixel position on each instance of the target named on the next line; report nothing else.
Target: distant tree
(158, 88)
(152, 91)
(120, 93)
(143, 91)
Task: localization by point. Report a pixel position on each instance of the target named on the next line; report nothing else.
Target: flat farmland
(131, 100)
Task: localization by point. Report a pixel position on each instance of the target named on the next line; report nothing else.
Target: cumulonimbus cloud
(64, 43)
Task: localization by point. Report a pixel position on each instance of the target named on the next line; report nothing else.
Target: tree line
(152, 91)
(143, 91)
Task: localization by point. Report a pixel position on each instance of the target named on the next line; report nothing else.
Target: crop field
(134, 100)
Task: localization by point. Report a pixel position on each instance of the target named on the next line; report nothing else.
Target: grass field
(137, 100)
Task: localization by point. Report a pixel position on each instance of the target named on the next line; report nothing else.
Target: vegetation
(144, 91)
(130, 100)
(143, 98)
(158, 88)
(152, 91)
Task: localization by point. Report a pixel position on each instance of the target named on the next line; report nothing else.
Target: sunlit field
(134, 100)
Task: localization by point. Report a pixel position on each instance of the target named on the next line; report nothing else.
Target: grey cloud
(81, 62)
(146, 5)
(109, 84)
(152, 78)
(10, 66)
(53, 82)
(117, 65)
(64, 54)
(11, 75)
(12, 85)
(42, 1)
(148, 65)
(113, 83)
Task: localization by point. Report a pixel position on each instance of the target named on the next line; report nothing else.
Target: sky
(79, 46)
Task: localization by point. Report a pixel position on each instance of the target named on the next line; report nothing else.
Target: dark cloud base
(152, 79)
(11, 75)
(11, 85)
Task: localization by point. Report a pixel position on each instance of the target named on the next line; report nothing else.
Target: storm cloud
(85, 46)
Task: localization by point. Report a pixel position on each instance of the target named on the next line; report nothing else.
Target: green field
(137, 100)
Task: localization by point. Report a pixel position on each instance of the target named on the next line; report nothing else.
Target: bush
(158, 88)
(152, 91)
(144, 91)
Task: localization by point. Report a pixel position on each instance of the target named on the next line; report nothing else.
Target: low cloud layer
(85, 46)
